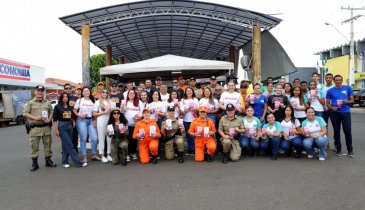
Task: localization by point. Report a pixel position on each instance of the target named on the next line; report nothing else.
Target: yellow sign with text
(360, 75)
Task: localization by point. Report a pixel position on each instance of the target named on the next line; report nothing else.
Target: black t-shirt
(62, 114)
(72, 100)
(280, 113)
(117, 98)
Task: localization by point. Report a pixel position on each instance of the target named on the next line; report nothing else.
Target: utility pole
(352, 43)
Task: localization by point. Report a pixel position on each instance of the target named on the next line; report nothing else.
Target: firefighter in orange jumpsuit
(147, 134)
(203, 129)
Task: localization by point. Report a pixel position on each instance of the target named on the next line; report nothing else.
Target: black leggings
(132, 145)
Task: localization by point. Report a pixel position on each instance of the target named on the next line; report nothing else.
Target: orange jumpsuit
(201, 141)
(148, 144)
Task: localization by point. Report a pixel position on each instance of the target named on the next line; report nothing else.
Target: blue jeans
(319, 114)
(65, 129)
(244, 141)
(256, 145)
(321, 143)
(213, 117)
(276, 143)
(189, 138)
(85, 127)
(344, 118)
(297, 144)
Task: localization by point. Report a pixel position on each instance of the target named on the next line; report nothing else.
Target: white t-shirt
(176, 108)
(289, 125)
(297, 113)
(254, 124)
(316, 104)
(107, 104)
(156, 107)
(184, 104)
(165, 97)
(206, 102)
(131, 111)
(85, 107)
(227, 97)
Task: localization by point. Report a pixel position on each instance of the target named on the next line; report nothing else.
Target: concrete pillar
(121, 60)
(85, 32)
(232, 57)
(256, 54)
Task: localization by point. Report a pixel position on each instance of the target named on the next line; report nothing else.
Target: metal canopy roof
(147, 29)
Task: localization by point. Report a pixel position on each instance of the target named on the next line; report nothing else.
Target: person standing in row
(229, 97)
(63, 128)
(298, 104)
(101, 110)
(147, 133)
(39, 112)
(315, 98)
(83, 109)
(119, 141)
(230, 128)
(277, 102)
(203, 129)
(72, 100)
(174, 134)
(211, 104)
(339, 99)
(174, 100)
(258, 102)
(114, 94)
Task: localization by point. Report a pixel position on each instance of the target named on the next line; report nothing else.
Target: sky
(32, 33)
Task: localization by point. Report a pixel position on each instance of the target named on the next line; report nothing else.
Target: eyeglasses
(116, 113)
(67, 88)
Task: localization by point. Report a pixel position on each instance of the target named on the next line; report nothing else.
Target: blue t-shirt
(343, 93)
(258, 106)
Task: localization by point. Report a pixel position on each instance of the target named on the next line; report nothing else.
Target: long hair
(61, 98)
(135, 100)
(122, 118)
(292, 118)
(211, 99)
(147, 94)
(312, 81)
(301, 96)
(159, 96)
(177, 94)
(91, 96)
(192, 90)
(291, 87)
(101, 100)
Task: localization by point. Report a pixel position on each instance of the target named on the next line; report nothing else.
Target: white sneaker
(103, 159)
(322, 158)
(66, 165)
(128, 158)
(84, 164)
(109, 158)
(310, 156)
(135, 157)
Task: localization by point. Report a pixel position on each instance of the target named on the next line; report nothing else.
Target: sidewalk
(360, 110)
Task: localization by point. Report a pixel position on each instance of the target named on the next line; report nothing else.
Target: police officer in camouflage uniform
(39, 112)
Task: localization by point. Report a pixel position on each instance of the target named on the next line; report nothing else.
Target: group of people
(236, 120)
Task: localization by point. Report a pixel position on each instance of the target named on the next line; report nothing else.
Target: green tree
(96, 62)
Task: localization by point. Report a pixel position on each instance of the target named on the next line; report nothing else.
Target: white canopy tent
(168, 67)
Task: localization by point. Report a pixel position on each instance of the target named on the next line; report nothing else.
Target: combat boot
(181, 157)
(225, 158)
(50, 163)
(124, 161)
(35, 165)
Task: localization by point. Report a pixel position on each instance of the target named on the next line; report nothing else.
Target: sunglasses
(67, 88)
(40, 90)
(174, 82)
(116, 113)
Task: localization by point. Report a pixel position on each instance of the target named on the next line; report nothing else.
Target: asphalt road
(252, 183)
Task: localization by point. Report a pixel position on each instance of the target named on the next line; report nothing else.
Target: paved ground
(252, 183)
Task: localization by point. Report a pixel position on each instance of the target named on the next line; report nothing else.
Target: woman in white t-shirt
(102, 108)
(315, 98)
(83, 109)
(144, 98)
(229, 97)
(189, 106)
(211, 104)
(132, 108)
(174, 100)
(157, 108)
(298, 104)
(291, 131)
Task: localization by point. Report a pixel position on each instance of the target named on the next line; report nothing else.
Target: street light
(330, 24)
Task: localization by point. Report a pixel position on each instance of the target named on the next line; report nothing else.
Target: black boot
(50, 163)
(123, 161)
(35, 165)
(209, 158)
(154, 159)
(181, 157)
(225, 158)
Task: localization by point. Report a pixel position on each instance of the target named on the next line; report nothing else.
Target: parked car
(362, 100)
(357, 96)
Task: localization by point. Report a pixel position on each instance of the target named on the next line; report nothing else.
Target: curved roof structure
(146, 29)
